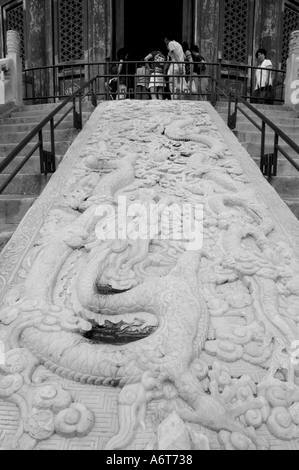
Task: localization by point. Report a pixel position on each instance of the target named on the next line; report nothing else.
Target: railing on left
(47, 158)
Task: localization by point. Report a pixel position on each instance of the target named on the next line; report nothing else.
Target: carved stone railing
(292, 78)
(11, 71)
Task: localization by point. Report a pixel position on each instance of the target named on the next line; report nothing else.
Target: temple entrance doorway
(142, 29)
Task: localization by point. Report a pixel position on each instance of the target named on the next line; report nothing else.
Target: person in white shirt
(176, 71)
(263, 79)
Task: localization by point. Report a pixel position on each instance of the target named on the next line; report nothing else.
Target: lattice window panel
(71, 24)
(290, 24)
(15, 21)
(236, 16)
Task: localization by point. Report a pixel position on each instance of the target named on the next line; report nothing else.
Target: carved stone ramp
(108, 339)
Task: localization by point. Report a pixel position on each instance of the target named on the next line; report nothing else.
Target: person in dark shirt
(121, 71)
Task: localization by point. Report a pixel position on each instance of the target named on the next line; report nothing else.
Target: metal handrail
(61, 75)
(271, 166)
(38, 130)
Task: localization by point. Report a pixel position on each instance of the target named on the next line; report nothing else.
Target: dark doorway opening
(145, 27)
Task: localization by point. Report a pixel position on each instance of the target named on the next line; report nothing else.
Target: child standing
(142, 81)
(157, 82)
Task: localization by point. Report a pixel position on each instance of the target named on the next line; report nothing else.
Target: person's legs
(255, 99)
(139, 92)
(144, 93)
(170, 74)
(160, 90)
(194, 90)
(154, 91)
(270, 99)
(122, 92)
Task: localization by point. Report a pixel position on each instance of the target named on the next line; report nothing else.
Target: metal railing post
(263, 146)
(275, 157)
(52, 130)
(41, 151)
(74, 112)
(229, 109)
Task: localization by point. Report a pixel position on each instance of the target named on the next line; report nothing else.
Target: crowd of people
(161, 76)
(182, 70)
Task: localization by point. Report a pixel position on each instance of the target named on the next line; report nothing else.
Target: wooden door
(236, 42)
(70, 34)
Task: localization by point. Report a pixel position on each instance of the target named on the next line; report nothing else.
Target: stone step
(249, 127)
(6, 232)
(31, 185)
(34, 119)
(286, 186)
(279, 117)
(276, 119)
(45, 112)
(29, 127)
(60, 148)
(7, 109)
(60, 136)
(293, 204)
(256, 137)
(31, 167)
(284, 168)
(39, 107)
(14, 207)
(223, 105)
(49, 106)
(254, 149)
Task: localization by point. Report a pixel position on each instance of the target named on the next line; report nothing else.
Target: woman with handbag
(263, 92)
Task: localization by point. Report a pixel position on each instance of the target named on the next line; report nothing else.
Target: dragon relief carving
(148, 314)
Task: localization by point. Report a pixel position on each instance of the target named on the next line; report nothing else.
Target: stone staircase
(286, 183)
(29, 183)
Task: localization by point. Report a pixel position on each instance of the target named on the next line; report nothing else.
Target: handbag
(266, 94)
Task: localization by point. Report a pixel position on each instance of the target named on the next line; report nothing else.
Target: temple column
(100, 30)
(15, 64)
(268, 29)
(207, 28)
(38, 32)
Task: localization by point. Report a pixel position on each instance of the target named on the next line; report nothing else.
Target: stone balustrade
(11, 72)
(292, 78)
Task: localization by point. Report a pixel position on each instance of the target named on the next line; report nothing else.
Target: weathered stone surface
(217, 309)
(173, 434)
(198, 440)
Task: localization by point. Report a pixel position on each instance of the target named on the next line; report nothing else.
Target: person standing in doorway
(142, 80)
(157, 82)
(120, 70)
(189, 61)
(263, 92)
(200, 69)
(177, 70)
